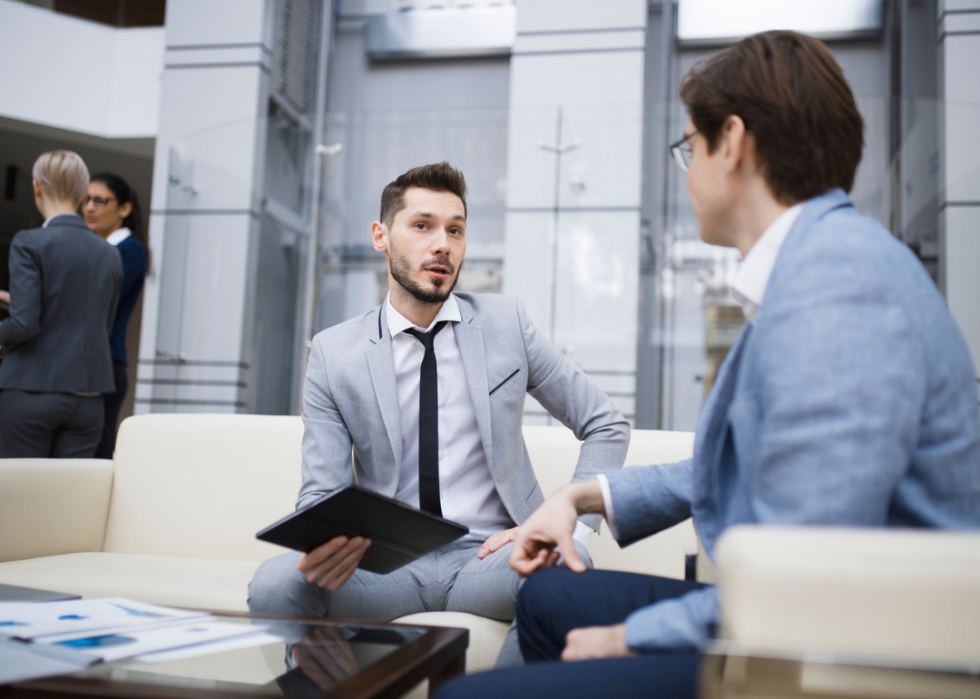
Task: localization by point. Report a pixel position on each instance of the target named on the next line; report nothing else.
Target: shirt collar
(398, 323)
(52, 218)
(749, 285)
(118, 236)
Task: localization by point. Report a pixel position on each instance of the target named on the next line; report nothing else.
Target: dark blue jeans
(552, 603)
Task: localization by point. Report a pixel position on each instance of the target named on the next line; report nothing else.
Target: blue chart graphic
(98, 641)
(13, 623)
(71, 617)
(138, 612)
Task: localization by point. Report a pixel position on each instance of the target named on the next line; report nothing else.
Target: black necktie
(429, 422)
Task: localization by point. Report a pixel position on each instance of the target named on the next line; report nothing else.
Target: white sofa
(820, 611)
(172, 518)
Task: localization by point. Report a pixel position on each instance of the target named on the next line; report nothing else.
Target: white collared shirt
(748, 288)
(466, 488)
(118, 236)
(749, 285)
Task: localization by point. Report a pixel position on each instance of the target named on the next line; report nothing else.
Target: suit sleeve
(648, 499)
(572, 397)
(327, 442)
(25, 295)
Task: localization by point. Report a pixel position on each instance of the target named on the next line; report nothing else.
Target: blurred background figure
(112, 210)
(64, 287)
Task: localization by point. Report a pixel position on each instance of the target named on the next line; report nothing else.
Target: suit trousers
(555, 601)
(35, 425)
(451, 579)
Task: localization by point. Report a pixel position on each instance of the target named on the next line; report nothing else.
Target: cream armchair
(172, 518)
(818, 612)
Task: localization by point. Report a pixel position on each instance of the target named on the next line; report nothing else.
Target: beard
(401, 272)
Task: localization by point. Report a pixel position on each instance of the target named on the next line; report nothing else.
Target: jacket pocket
(502, 383)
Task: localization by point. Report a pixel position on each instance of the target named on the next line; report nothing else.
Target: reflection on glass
(315, 658)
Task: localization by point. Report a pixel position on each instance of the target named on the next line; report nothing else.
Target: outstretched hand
(546, 535)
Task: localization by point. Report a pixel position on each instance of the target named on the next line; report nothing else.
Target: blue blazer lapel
(469, 337)
(713, 424)
(382, 368)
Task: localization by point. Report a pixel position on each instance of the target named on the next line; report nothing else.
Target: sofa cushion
(175, 581)
(201, 486)
(52, 506)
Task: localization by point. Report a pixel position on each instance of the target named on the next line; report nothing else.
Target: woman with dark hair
(112, 210)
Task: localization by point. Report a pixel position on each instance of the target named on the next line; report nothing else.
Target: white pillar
(959, 55)
(573, 217)
(205, 206)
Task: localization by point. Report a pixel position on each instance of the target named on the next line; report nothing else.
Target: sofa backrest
(201, 486)
(554, 452)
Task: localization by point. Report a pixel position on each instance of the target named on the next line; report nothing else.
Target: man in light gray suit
(64, 285)
(429, 390)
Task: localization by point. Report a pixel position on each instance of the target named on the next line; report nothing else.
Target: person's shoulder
(132, 252)
(25, 237)
(345, 336)
(490, 305)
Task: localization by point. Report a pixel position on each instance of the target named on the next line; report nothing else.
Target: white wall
(82, 76)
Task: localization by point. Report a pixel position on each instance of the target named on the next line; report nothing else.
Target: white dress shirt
(466, 488)
(748, 288)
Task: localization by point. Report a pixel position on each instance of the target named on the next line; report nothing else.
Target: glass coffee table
(320, 658)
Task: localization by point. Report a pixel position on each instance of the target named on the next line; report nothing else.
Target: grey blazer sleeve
(326, 440)
(25, 295)
(572, 397)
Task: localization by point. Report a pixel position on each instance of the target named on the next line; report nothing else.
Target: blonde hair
(62, 175)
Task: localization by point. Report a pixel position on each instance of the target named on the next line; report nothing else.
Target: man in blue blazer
(848, 399)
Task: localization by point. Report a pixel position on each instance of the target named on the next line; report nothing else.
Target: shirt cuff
(582, 532)
(607, 503)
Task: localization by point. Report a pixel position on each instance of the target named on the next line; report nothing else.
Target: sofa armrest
(879, 591)
(52, 506)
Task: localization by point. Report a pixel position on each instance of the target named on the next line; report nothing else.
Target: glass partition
(602, 249)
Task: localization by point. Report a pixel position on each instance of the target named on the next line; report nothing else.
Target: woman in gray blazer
(64, 286)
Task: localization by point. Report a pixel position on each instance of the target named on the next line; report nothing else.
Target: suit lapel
(713, 426)
(469, 337)
(382, 368)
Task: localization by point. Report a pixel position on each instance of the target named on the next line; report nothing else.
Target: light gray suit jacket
(351, 399)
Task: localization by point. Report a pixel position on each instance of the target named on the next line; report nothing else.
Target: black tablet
(399, 534)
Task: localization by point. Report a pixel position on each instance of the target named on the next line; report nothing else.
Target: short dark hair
(792, 95)
(439, 177)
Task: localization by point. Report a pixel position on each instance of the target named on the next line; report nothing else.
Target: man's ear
(734, 141)
(379, 236)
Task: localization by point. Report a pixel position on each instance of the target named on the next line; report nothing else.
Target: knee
(277, 586)
(540, 594)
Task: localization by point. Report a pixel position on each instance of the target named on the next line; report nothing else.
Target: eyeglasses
(99, 202)
(682, 152)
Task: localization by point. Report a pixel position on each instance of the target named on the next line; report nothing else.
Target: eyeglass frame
(100, 202)
(682, 155)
